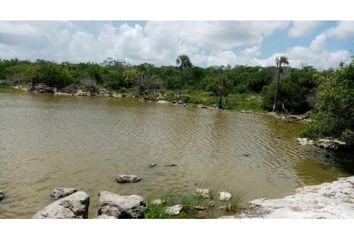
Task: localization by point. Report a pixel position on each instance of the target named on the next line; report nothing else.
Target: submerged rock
(2, 195)
(225, 196)
(153, 165)
(174, 210)
(127, 179)
(171, 165)
(73, 206)
(202, 192)
(111, 205)
(62, 192)
(328, 200)
(304, 141)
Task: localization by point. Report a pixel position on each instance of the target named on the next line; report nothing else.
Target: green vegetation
(195, 206)
(333, 113)
(328, 94)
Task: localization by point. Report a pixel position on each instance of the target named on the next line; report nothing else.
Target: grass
(4, 88)
(194, 206)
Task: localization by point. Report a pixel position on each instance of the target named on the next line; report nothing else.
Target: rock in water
(174, 210)
(202, 192)
(112, 205)
(2, 195)
(62, 192)
(73, 206)
(304, 141)
(225, 196)
(127, 179)
(163, 102)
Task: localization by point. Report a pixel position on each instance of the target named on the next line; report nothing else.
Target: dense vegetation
(329, 93)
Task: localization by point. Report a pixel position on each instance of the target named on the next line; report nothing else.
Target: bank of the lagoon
(49, 141)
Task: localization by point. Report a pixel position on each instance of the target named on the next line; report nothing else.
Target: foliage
(333, 114)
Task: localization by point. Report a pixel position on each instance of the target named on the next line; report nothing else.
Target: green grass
(215, 207)
(4, 88)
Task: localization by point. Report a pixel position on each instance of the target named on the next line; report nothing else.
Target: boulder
(202, 192)
(174, 210)
(115, 206)
(73, 206)
(225, 196)
(2, 195)
(62, 192)
(127, 179)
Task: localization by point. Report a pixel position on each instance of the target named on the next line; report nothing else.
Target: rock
(211, 204)
(200, 208)
(153, 165)
(157, 202)
(82, 93)
(112, 205)
(246, 154)
(163, 102)
(171, 165)
(73, 206)
(330, 144)
(304, 141)
(328, 200)
(201, 106)
(117, 95)
(202, 192)
(245, 111)
(127, 179)
(2, 195)
(62, 192)
(174, 210)
(225, 196)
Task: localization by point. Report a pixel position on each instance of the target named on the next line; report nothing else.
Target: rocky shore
(328, 200)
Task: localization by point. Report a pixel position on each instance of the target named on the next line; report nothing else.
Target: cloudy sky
(321, 44)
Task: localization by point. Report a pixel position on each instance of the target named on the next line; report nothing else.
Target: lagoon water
(50, 141)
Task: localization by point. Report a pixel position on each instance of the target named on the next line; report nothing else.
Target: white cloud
(301, 28)
(207, 43)
(343, 30)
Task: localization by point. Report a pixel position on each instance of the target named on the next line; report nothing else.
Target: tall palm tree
(279, 61)
(183, 62)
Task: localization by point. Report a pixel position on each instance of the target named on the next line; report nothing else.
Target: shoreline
(333, 200)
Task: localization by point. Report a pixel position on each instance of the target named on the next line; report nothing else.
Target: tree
(144, 70)
(183, 62)
(279, 61)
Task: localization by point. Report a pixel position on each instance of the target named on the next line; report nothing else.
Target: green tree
(279, 61)
(183, 62)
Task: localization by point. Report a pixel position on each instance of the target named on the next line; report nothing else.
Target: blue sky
(322, 44)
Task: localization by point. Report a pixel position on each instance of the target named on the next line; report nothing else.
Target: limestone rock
(127, 178)
(157, 202)
(73, 206)
(202, 192)
(111, 205)
(174, 210)
(328, 200)
(225, 196)
(163, 102)
(304, 141)
(62, 192)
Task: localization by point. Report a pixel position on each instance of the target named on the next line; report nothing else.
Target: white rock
(305, 141)
(202, 192)
(328, 200)
(224, 196)
(163, 102)
(174, 210)
(73, 206)
(157, 202)
(62, 192)
(111, 205)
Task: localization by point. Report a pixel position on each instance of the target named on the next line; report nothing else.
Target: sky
(322, 44)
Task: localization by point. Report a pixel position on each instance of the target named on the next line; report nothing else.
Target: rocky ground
(328, 200)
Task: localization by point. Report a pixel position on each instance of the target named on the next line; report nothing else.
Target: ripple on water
(48, 142)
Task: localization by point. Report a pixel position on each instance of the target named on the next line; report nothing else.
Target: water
(51, 141)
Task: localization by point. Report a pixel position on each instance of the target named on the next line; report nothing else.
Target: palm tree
(183, 62)
(279, 61)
